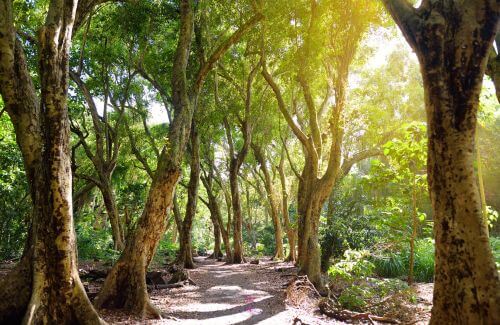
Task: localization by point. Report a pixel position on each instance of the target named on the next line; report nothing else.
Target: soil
(235, 294)
(230, 294)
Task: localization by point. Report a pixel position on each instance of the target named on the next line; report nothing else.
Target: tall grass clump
(395, 264)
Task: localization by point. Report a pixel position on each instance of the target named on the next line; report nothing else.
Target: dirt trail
(229, 294)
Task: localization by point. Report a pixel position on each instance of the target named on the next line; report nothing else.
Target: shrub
(355, 264)
(95, 244)
(395, 265)
(495, 247)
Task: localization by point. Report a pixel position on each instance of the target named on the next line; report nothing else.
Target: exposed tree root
(15, 292)
(125, 288)
(329, 308)
(300, 291)
(298, 321)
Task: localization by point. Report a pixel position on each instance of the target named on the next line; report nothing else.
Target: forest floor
(239, 294)
(231, 294)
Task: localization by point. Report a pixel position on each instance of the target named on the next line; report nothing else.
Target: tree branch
(405, 16)
(221, 49)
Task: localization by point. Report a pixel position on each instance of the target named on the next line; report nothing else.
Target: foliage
(495, 247)
(354, 265)
(166, 251)
(395, 264)
(14, 198)
(95, 243)
(352, 283)
(347, 226)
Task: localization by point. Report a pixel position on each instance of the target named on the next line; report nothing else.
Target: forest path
(232, 294)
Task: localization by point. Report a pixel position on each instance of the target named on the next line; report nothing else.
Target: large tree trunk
(125, 286)
(186, 250)
(55, 290)
(310, 201)
(452, 40)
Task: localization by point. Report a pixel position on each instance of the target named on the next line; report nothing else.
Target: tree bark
(216, 216)
(113, 215)
(452, 41)
(290, 231)
(185, 253)
(125, 286)
(51, 281)
(236, 160)
(237, 216)
(268, 184)
(104, 158)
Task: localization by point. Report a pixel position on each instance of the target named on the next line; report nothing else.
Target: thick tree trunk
(125, 286)
(56, 292)
(309, 254)
(452, 41)
(185, 254)
(58, 295)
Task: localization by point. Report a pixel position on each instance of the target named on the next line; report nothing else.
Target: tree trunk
(186, 250)
(217, 240)
(414, 229)
(249, 223)
(268, 184)
(452, 40)
(216, 215)
(328, 242)
(290, 231)
(237, 216)
(125, 286)
(52, 282)
(58, 295)
(113, 216)
(309, 206)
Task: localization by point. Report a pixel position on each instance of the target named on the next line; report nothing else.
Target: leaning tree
(125, 286)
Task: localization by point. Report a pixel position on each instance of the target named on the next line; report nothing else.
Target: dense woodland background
(297, 130)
